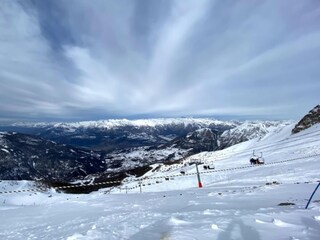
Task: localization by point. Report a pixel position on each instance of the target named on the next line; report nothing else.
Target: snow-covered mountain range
(116, 123)
(109, 135)
(115, 146)
(119, 134)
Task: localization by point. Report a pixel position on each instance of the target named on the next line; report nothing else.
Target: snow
(114, 123)
(253, 129)
(5, 150)
(141, 156)
(242, 203)
(2, 140)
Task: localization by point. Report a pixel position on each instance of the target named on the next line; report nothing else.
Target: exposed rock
(312, 118)
(286, 204)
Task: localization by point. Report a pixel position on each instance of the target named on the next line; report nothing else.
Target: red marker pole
(198, 175)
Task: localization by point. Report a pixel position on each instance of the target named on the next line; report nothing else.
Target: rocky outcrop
(312, 118)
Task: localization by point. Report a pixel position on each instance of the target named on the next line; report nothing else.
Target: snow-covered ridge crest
(251, 129)
(266, 126)
(114, 123)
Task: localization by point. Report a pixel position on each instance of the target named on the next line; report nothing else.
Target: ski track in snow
(239, 204)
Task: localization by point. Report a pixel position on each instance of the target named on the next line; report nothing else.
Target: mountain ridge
(310, 119)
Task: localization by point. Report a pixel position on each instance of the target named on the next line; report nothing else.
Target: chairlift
(209, 166)
(183, 170)
(254, 159)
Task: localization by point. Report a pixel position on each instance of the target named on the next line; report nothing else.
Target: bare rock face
(312, 118)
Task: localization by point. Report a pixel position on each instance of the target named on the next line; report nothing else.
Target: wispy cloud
(94, 59)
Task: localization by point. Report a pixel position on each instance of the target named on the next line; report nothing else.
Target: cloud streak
(107, 59)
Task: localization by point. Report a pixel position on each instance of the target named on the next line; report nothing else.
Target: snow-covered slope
(249, 130)
(237, 201)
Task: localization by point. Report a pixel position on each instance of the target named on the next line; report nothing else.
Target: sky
(99, 59)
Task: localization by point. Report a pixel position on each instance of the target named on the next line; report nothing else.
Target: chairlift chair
(253, 158)
(261, 159)
(211, 166)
